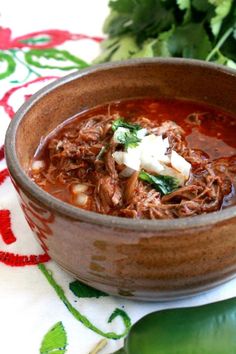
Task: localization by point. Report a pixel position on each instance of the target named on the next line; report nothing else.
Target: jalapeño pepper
(207, 329)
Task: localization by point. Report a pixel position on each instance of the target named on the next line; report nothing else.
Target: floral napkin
(43, 309)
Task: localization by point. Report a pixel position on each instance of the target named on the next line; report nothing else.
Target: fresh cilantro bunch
(200, 29)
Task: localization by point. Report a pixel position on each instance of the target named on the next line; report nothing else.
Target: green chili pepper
(208, 329)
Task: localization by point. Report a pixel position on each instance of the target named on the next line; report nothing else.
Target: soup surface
(142, 158)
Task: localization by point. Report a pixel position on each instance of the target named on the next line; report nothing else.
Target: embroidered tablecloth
(43, 309)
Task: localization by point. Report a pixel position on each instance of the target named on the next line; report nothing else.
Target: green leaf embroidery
(36, 40)
(8, 61)
(82, 291)
(120, 313)
(55, 340)
(79, 316)
(53, 59)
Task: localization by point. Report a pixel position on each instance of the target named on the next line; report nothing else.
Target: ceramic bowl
(142, 259)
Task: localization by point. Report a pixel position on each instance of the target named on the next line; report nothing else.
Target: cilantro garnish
(120, 122)
(128, 137)
(163, 184)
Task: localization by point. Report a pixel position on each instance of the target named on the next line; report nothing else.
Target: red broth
(206, 132)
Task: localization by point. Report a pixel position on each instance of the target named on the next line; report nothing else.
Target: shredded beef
(130, 187)
(110, 162)
(84, 155)
(107, 193)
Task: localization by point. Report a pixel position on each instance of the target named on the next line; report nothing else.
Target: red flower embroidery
(10, 258)
(5, 227)
(39, 40)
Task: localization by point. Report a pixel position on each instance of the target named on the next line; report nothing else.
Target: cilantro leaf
(116, 24)
(109, 47)
(129, 139)
(142, 18)
(185, 42)
(146, 50)
(155, 47)
(202, 5)
(123, 6)
(223, 60)
(163, 184)
(150, 18)
(222, 9)
(161, 47)
(120, 122)
(127, 47)
(228, 48)
(185, 5)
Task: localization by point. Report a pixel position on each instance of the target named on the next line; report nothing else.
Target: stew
(142, 158)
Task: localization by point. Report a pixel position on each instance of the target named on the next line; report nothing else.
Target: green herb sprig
(129, 138)
(163, 184)
(120, 122)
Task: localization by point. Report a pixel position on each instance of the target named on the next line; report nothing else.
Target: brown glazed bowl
(143, 259)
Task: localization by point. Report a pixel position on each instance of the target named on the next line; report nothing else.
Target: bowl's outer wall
(157, 264)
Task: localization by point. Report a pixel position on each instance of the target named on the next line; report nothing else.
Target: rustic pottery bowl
(143, 259)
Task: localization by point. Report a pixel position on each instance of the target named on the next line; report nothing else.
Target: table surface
(33, 315)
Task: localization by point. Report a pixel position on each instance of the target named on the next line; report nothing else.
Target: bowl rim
(70, 211)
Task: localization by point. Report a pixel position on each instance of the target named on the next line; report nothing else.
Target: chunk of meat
(142, 201)
(94, 130)
(130, 186)
(108, 194)
(110, 162)
(175, 135)
(185, 193)
(196, 157)
(169, 126)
